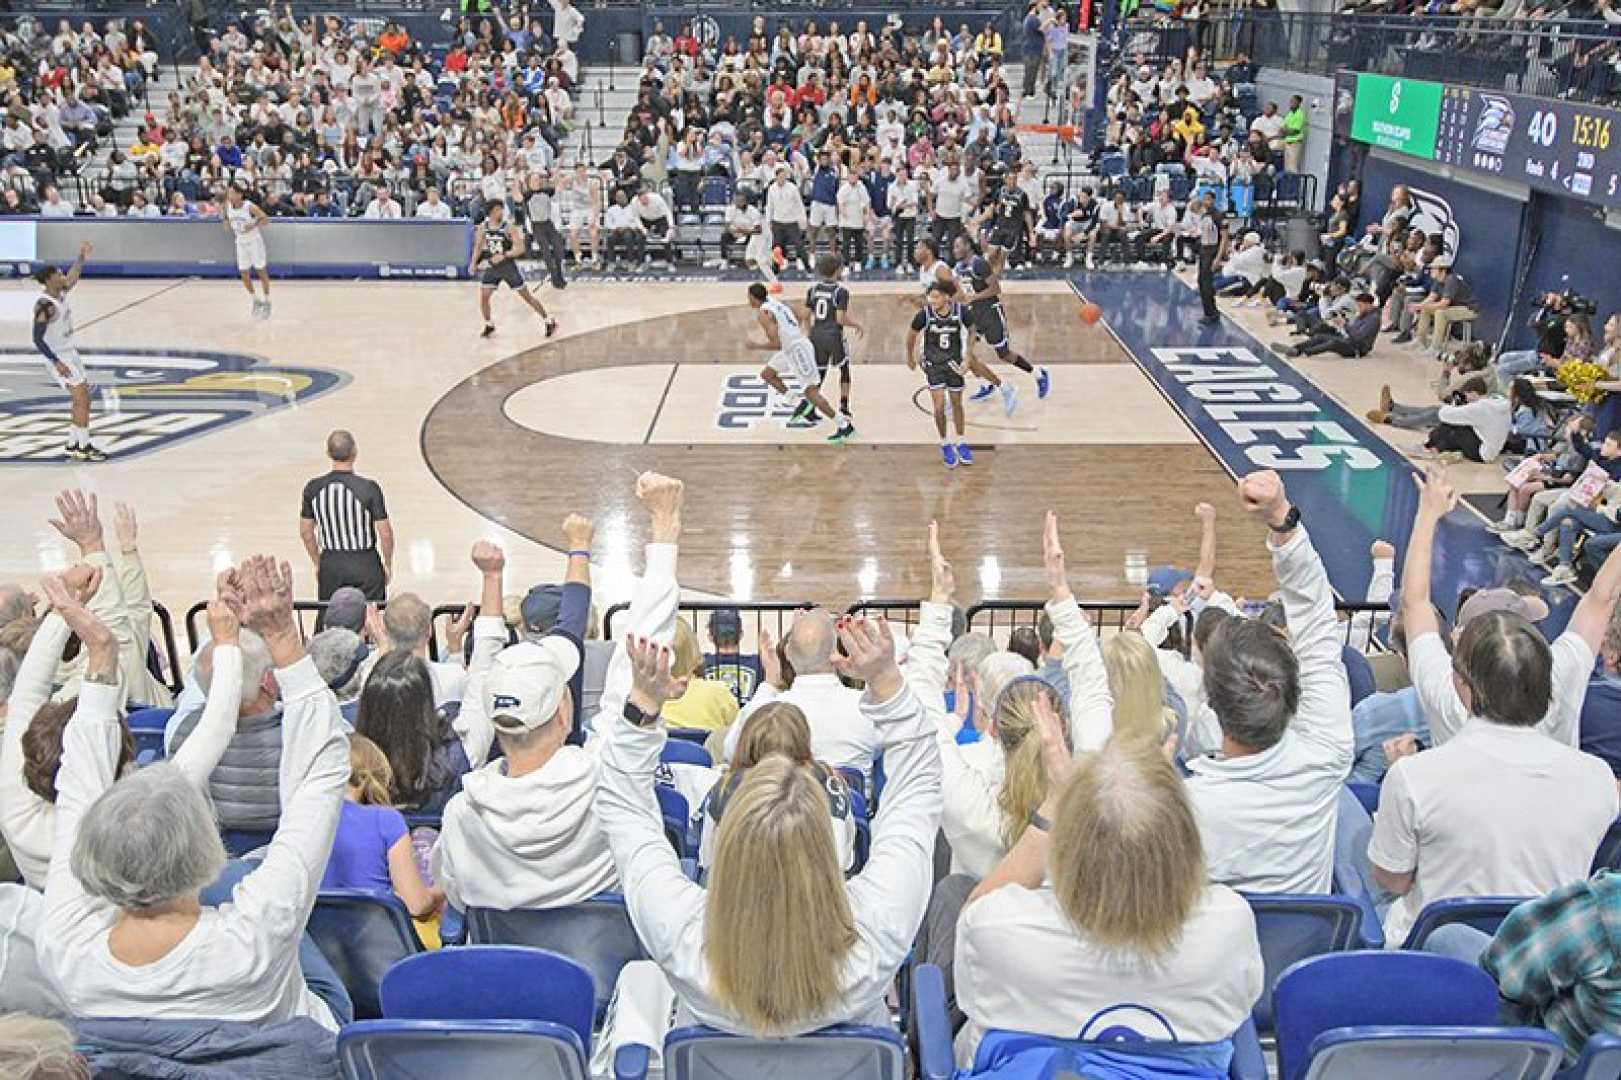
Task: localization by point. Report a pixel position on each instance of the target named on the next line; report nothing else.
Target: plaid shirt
(1559, 959)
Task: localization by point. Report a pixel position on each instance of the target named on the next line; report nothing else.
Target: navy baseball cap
(540, 608)
(1164, 579)
(726, 622)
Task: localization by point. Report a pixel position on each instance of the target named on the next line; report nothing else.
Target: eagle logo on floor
(145, 399)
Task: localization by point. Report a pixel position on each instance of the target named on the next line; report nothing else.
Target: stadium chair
(362, 935)
(1111, 166)
(1360, 674)
(677, 817)
(1366, 794)
(1181, 187)
(1484, 913)
(423, 819)
(1600, 1060)
(690, 735)
(1608, 855)
(858, 810)
(146, 728)
(1372, 989)
(239, 842)
(491, 982)
(847, 1051)
(451, 1049)
(680, 752)
(1437, 1053)
(1292, 927)
(931, 1028)
(596, 933)
(716, 191)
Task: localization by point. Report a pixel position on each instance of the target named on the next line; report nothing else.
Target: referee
(1210, 249)
(345, 526)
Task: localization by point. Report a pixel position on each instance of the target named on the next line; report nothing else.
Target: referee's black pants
(550, 242)
(1207, 280)
(362, 569)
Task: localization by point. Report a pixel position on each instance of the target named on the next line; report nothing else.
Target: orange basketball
(1090, 313)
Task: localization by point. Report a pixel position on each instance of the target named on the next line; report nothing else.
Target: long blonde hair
(369, 772)
(778, 727)
(689, 656)
(1024, 777)
(777, 921)
(1126, 863)
(1138, 689)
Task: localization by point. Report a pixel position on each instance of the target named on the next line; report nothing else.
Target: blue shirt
(878, 190)
(1600, 725)
(825, 186)
(359, 858)
(1378, 717)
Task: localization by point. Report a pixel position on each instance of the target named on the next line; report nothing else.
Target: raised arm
(79, 520)
(662, 901)
(1324, 712)
(1026, 863)
(1427, 658)
(76, 271)
(926, 660)
(1592, 615)
(574, 608)
(1091, 705)
(1205, 573)
(137, 598)
(472, 724)
(201, 752)
(272, 904)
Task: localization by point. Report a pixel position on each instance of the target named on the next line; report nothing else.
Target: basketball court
(220, 420)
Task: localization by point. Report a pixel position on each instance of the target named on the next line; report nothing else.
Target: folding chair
(1438, 1053)
(1484, 913)
(1292, 927)
(362, 935)
(447, 1049)
(596, 934)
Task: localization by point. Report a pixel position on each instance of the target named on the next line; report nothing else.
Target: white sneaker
(1501, 527)
(1069, 262)
(1010, 398)
(1522, 539)
(1541, 557)
(1562, 575)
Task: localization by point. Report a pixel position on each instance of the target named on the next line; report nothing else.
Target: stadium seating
(596, 934)
(362, 935)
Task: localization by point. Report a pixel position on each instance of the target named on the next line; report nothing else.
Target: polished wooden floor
(503, 437)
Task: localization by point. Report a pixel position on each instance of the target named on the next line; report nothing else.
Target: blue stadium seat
(1484, 913)
(146, 728)
(1608, 855)
(677, 819)
(597, 934)
(932, 1027)
(1600, 1060)
(1373, 989)
(716, 191)
(1111, 166)
(450, 1049)
(1366, 794)
(1360, 674)
(362, 935)
(847, 1051)
(679, 752)
(491, 982)
(691, 735)
(239, 842)
(1435, 1053)
(1292, 927)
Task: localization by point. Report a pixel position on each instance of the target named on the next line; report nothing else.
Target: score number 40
(1590, 131)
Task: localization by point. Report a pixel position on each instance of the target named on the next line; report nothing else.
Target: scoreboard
(1562, 147)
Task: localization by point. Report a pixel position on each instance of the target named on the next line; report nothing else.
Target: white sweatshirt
(27, 821)
(972, 818)
(887, 898)
(1489, 416)
(240, 962)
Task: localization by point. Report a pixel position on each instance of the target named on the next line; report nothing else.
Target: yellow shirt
(708, 705)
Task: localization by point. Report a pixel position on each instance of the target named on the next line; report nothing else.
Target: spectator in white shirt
(1266, 803)
(841, 733)
(623, 231)
(53, 205)
(952, 193)
(124, 931)
(854, 203)
(1501, 808)
(785, 214)
(1270, 125)
(383, 205)
(903, 207)
(1104, 900)
(406, 625)
(654, 213)
(433, 207)
(743, 220)
(141, 207)
(569, 23)
(1478, 428)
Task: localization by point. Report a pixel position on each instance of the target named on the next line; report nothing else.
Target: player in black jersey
(983, 288)
(943, 326)
(828, 306)
(496, 246)
(1013, 220)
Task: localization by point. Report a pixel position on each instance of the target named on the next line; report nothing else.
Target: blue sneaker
(948, 453)
(985, 390)
(1044, 382)
(965, 456)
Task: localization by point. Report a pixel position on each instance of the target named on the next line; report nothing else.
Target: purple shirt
(359, 857)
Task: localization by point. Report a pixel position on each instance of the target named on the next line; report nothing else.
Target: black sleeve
(919, 321)
(841, 298)
(307, 503)
(374, 502)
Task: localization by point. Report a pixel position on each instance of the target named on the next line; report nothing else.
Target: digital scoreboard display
(1557, 146)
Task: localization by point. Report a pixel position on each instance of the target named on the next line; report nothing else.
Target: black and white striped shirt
(346, 509)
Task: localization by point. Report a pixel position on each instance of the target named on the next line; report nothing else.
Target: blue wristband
(581, 554)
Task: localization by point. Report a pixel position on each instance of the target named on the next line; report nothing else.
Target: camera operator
(1550, 323)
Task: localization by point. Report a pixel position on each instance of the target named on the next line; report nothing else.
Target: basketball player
(828, 303)
(1013, 219)
(53, 337)
(496, 246)
(244, 220)
(794, 356)
(943, 325)
(983, 286)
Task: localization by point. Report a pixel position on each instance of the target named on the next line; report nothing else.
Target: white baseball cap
(527, 681)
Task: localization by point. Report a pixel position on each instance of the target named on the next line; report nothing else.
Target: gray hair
(14, 604)
(256, 664)
(809, 645)
(996, 671)
(967, 651)
(32, 1046)
(151, 838)
(334, 650)
(8, 674)
(408, 620)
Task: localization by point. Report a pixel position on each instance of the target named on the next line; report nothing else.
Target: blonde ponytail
(369, 772)
(1024, 779)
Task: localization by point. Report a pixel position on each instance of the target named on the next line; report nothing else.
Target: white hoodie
(525, 842)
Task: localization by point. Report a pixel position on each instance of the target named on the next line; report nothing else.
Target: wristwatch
(638, 717)
(1039, 822)
(1290, 520)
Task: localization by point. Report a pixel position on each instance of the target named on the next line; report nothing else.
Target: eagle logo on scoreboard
(144, 399)
(1493, 129)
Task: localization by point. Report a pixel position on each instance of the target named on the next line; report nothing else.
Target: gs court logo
(145, 399)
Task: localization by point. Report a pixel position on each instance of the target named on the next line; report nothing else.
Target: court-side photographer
(1553, 322)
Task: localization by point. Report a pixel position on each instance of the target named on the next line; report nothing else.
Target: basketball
(1091, 313)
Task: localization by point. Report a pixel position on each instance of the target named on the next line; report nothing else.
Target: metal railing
(1530, 56)
(778, 613)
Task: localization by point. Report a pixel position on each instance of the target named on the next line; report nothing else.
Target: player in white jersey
(53, 337)
(245, 221)
(795, 356)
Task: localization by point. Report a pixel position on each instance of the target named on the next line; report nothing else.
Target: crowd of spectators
(1103, 802)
